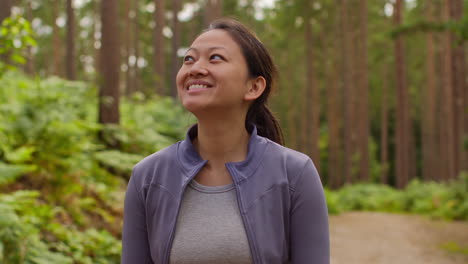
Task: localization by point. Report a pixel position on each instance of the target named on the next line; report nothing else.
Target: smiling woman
(230, 192)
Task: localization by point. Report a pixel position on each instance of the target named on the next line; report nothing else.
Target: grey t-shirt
(209, 227)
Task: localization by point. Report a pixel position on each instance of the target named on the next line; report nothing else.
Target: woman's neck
(223, 141)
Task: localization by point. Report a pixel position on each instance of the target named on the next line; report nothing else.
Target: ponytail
(266, 123)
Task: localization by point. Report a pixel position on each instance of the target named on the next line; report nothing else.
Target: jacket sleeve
(310, 242)
(135, 247)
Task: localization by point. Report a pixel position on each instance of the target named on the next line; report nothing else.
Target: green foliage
(438, 200)
(15, 36)
(72, 211)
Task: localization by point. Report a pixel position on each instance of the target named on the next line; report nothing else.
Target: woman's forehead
(215, 38)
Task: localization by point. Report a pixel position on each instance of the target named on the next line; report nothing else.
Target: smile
(197, 87)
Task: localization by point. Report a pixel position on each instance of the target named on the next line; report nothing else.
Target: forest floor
(383, 238)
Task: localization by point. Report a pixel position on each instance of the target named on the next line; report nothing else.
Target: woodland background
(375, 92)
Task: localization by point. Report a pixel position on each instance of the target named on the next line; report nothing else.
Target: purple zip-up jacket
(279, 194)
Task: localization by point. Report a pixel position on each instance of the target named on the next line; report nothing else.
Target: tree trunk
(29, 66)
(127, 12)
(110, 66)
(429, 135)
(384, 127)
(335, 171)
(5, 12)
(57, 45)
(402, 111)
(363, 117)
(213, 10)
(5, 9)
(312, 95)
(347, 78)
(136, 47)
(176, 5)
(70, 51)
(159, 58)
(460, 89)
(449, 148)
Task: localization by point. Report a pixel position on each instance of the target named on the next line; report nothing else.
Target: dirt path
(368, 237)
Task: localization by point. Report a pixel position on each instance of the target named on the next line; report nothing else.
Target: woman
(229, 192)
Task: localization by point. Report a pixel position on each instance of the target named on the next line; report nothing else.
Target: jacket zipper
(252, 245)
(171, 239)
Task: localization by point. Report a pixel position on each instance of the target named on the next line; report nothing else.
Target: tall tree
(5, 11)
(127, 13)
(176, 6)
(347, 86)
(335, 168)
(384, 126)
(70, 51)
(460, 88)
(429, 134)
(448, 131)
(158, 47)
(213, 11)
(110, 65)
(56, 50)
(136, 48)
(402, 111)
(312, 111)
(363, 97)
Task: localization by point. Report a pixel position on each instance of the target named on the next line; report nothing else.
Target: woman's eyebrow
(209, 49)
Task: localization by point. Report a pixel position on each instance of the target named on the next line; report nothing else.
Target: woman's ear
(256, 87)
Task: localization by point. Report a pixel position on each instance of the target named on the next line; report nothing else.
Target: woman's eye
(216, 57)
(188, 59)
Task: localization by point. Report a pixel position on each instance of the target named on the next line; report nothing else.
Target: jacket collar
(191, 161)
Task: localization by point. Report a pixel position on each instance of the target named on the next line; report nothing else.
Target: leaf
(9, 173)
(20, 155)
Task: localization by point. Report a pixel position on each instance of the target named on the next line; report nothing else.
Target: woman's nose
(198, 68)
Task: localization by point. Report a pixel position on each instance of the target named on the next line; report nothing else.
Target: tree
(363, 97)
(448, 132)
(429, 130)
(213, 11)
(109, 65)
(5, 11)
(158, 47)
(402, 111)
(312, 111)
(176, 5)
(70, 51)
(460, 90)
(347, 87)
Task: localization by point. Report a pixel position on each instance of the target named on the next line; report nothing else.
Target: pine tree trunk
(176, 5)
(449, 148)
(110, 66)
(213, 10)
(29, 66)
(335, 171)
(363, 117)
(312, 94)
(135, 79)
(127, 42)
(384, 127)
(347, 90)
(460, 89)
(5, 12)
(159, 58)
(57, 45)
(402, 111)
(429, 135)
(70, 51)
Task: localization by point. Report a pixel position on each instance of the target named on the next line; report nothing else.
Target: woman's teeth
(197, 86)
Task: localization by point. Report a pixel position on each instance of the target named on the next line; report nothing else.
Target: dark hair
(259, 63)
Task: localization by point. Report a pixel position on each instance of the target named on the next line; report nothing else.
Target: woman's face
(214, 74)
